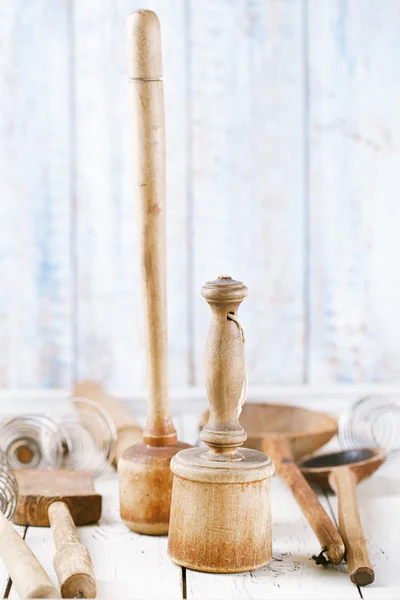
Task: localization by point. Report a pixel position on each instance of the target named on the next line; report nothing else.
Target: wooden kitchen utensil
(220, 512)
(82, 438)
(62, 500)
(341, 471)
(128, 429)
(26, 572)
(144, 469)
(287, 433)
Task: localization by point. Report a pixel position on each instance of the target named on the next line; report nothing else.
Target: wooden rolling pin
(128, 430)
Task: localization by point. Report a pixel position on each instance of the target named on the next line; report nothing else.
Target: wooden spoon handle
(72, 562)
(279, 449)
(26, 572)
(148, 136)
(343, 481)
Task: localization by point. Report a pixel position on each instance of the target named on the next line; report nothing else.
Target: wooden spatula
(62, 500)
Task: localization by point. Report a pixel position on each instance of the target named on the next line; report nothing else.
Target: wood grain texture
(109, 320)
(282, 162)
(35, 207)
(38, 488)
(246, 95)
(354, 129)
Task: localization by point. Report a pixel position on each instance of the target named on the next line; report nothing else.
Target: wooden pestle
(144, 469)
(220, 513)
(128, 429)
(26, 572)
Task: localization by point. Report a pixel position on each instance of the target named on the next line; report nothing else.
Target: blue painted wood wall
(283, 133)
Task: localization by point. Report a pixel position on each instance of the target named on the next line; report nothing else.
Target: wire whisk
(8, 488)
(89, 437)
(32, 441)
(82, 439)
(372, 421)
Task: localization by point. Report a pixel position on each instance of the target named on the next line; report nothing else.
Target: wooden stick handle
(26, 572)
(279, 449)
(148, 136)
(72, 562)
(343, 481)
(128, 429)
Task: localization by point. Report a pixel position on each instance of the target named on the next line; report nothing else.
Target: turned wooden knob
(224, 368)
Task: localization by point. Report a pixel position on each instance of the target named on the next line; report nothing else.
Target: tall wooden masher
(144, 469)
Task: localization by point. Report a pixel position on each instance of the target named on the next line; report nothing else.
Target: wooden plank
(110, 337)
(354, 208)
(127, 565)
(246, 93)
(291, 573)
(35, 207)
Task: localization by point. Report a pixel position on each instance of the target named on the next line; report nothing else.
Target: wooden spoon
(341, 471)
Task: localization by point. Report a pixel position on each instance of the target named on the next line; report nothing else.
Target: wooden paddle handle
(148, 137)
(343, 481)
(26, 572)
(279, 450)
(128, 429)
(72, 562)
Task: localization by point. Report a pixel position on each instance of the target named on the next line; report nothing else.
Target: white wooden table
(132, 566)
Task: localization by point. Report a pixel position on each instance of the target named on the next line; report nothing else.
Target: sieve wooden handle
(279, 449)
(148, 136)
(26, 572)
(343, 481)
(128, 429)
(72, 562)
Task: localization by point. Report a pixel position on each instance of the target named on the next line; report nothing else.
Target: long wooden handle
(72, 562)
(26, 572)
(128, 429)
(279, 449)
(148, 136)
(343, 481)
